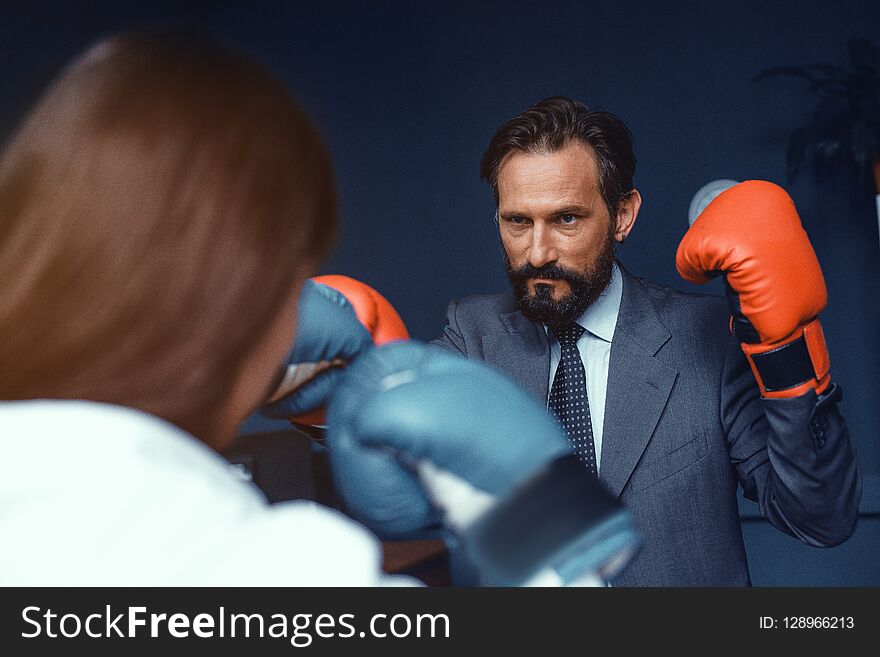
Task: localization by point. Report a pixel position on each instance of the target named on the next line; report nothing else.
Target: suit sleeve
(451, 338)
(794, 457)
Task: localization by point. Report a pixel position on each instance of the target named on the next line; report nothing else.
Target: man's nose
(542, 249)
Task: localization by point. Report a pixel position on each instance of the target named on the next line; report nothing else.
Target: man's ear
(626, 215)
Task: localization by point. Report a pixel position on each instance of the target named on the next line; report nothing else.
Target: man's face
(556, 230)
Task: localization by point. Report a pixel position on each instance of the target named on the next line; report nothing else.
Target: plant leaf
(829, 70)
(829, 149)
(861, 138)
(828, 86)
(844, 129)
(778, 71)
(863, 54)
(797, 148)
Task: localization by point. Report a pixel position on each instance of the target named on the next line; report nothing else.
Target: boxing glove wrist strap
(793, 366)
(562, 519)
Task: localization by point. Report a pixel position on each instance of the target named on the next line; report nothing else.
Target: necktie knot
(568, 334)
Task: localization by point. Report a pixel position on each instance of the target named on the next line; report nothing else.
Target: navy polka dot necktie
(568, 395)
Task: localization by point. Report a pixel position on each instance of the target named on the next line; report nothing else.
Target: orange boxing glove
(373, 310)
(752, 234)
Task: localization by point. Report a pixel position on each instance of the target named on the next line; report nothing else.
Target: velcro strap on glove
(793, 366)
(563, 519)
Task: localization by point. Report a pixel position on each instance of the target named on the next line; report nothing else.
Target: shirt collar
(600, 317)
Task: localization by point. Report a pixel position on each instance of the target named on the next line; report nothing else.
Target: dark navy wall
(407, 94)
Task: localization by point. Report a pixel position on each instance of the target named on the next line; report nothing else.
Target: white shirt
(100, 495)
(594, 345)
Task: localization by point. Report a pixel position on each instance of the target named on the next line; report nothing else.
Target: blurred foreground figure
(160, 211)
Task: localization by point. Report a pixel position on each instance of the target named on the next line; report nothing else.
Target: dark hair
(554, 122)
(157, 207)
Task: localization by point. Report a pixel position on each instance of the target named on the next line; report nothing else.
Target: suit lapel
(638, 384)
(523, 353)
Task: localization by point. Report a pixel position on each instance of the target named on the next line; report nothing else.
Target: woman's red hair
(157, 206)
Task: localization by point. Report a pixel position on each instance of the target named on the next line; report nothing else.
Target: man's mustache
(548, 271)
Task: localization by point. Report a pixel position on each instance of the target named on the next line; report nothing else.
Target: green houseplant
(844, 129)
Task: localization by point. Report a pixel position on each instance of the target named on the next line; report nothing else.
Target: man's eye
(517, 220)
(567, 219)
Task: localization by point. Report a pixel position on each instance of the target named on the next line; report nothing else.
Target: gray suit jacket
(684, 424)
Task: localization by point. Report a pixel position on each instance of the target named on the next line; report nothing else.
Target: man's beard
(585, 287)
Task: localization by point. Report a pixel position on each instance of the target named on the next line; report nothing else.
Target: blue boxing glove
(419, 437)
(328, 336)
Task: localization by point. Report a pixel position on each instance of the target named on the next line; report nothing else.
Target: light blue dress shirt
(594, 346)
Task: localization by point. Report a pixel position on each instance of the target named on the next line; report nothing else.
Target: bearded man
(658, 398)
